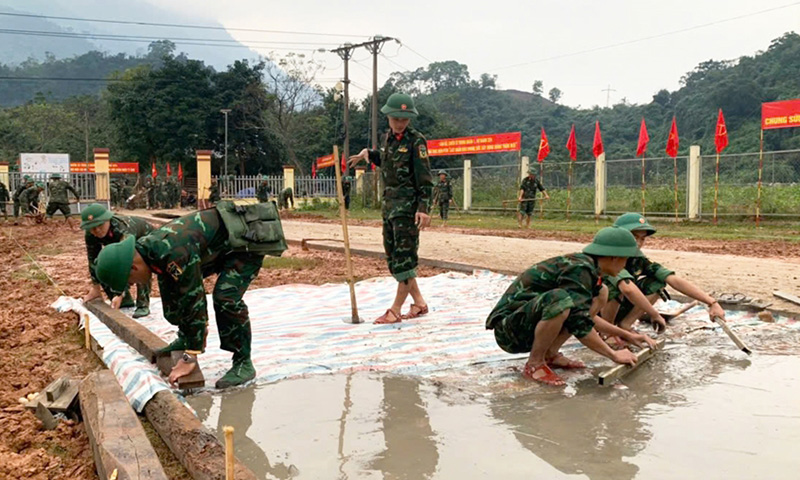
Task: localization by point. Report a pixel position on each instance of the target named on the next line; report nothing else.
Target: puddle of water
(689, 413)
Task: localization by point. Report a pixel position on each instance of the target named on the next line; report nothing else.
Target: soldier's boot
(242, 371)
(127, 300)
(179, 344)
(141, 312)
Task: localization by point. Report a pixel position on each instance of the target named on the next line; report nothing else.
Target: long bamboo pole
(569, 189)
(643, 186)
(716, 189)
(343, 215)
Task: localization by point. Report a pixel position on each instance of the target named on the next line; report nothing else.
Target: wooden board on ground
(142, 340)
(117, 438)
(67, 394)
(788, 297)
(620, 371)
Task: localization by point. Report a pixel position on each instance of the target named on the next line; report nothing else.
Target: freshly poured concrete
(692, 412)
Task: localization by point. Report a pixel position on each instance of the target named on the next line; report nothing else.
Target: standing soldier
(104, 228)
(4, 198)
(347, 186)
(127, 191)
(151, 194)
(59, 199)
(442, 194)
(262, 192)
(527, 196)
(25, 183)
(407, 181)
(229, 240)
(213, 192)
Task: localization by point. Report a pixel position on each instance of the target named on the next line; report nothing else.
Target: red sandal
(420, 311)
(388, 317)
(548, 377)
(566, 363)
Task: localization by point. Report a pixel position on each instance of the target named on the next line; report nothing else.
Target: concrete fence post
(4, 179)
(525, 162)
(600, 183)
(360, 179)
(101, 180)
(203, 177)
(467, 184)
(288, 178)
(694, 187)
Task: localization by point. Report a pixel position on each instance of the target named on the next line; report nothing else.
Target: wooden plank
(738, 341)
(788, 297)
(117, 438)
(620, 371)
(142, 340)
(63, 403)
(55, 389)
(197, 448)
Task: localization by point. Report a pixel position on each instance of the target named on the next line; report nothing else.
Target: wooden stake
(348, 261)
(620, 371)
(229, 459)
(739, 343)
(88, 335)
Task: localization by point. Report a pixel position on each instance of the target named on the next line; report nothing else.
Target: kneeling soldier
(560, 297)
(228, 240)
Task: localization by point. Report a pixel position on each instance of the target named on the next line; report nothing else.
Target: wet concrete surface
(691, 412)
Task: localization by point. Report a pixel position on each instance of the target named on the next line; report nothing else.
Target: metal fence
(246, 186)
(324, 187)
(84, 183)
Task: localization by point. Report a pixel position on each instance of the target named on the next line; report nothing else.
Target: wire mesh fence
(624, 185)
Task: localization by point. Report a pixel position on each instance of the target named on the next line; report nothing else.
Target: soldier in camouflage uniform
(26, 183)
(29, 198)
(406, 175)
(213, 192)
(127, 192)
(347, 187)
(103, 228)
(59, 200)
(561, 297)
(636, 288)
(286, 197)
(527, 196)
(442, 194)
(229, 241)
(4, 198)
(263, 192)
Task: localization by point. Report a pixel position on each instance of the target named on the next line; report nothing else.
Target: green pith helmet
(532, 170)
(442, 172)
(29, 180)
(263, 178)
(612, 242)
(113, 265)
(55, 176)
(400, 105)
(94, 215)
(26, 177)
(40, 185)
(634, 222)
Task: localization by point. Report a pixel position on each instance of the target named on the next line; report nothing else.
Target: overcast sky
(521, 41)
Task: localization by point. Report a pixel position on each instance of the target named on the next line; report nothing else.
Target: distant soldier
(103, 228)
(59, 199)
(151, 194)
(286, 197)
(29, 199)
(161, 193)
(4, 198)
(127, 192)
(527, 196)
(263, 192)
(116, 192)
(26, 182)
(347, 186)
(442, 195)
(213, 192)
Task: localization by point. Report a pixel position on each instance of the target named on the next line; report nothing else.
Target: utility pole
(608, 94)
(226, 111)
(345, 53)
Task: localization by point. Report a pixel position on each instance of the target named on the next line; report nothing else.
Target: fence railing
(246, 186)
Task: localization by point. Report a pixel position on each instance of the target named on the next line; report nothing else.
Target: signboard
(494, 143)
(784, 114)
(326, 161)
(44, 162)
(113, 167)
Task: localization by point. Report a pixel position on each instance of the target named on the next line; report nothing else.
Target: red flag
(372, 166)
(169, 170)
(721, 137)
(597, 146)
(572, 144)
(672, 141)
(644, 138)
(314, 170)
(344, 164)
(180, 173)
(153, 170)
(544, 147)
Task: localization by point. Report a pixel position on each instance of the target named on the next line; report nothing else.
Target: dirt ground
(38, 345)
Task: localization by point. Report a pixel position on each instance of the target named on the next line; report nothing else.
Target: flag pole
(716, 189)
(675, 166)
(569, 188)
(760, 169)
(541, 202)
(643, 184)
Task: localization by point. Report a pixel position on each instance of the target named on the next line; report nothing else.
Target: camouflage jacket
(4, 196)
(529, 186)
(18, 192)
(443, 192)
(576, 273)
(347, 186)
(213, 193)
(406, 174)
(262, 192)
(121, 226)
(181, 254)
(30, 194)
(58, 191)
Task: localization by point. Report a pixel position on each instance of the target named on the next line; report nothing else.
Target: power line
(416, 52)
(643, 39)
(176, 25)
(395, 63)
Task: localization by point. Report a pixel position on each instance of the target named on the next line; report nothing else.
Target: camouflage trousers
(444, 208)
(648, 286)
(17, 208)
(53, 207)
(142, 296)
(515, 331)
(527, 206)
(236, 271)
(401, 242)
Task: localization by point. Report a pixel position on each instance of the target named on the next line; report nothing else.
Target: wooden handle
(620, 371)
(739, 343)
(86, 332)
(229, 459)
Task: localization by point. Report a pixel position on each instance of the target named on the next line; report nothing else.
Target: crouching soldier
(561, 297)
(637, 287)
(103, 228)
(229, 240)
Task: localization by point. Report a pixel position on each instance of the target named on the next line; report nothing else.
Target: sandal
(566, 363)
(546, 376)
(388, 317)
(420, 311)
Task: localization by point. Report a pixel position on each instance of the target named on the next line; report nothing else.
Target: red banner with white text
(784, 114)
(113, 167)
(494, 143)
